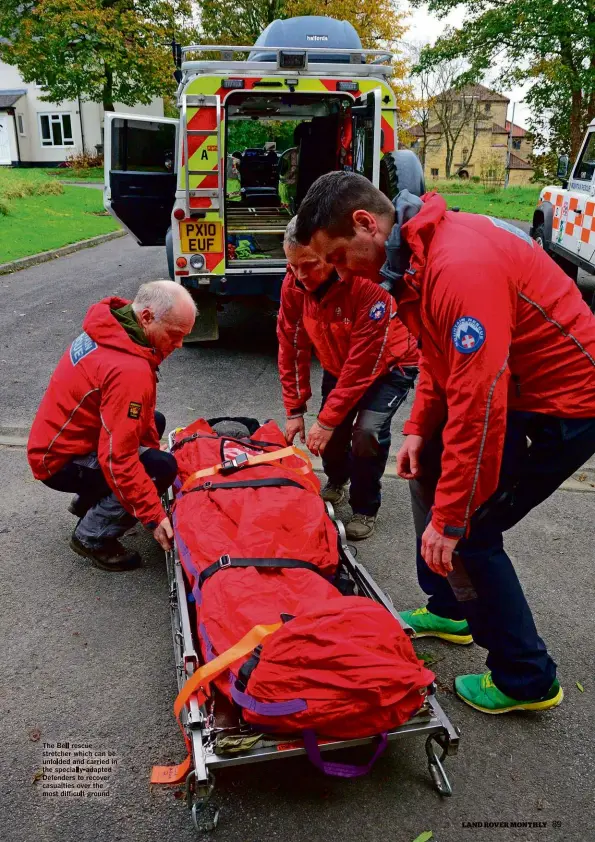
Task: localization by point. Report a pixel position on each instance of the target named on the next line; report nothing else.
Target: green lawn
(510, 203)
(42, 222)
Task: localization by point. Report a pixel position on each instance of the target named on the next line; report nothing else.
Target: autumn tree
(238, 22)
(102, 50)
(548, 44)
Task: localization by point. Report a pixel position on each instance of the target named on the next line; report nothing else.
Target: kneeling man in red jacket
(369, 360)
(96, 432)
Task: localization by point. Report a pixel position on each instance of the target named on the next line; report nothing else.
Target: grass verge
(42, 222)
(68, 173)
(510, 203)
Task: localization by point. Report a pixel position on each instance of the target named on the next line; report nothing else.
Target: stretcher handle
(199, 684)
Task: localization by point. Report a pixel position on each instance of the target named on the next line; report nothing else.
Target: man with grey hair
(96, 432)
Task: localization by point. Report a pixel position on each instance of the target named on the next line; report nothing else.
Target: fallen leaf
(37, 776)
(428, 658)
(34, 734)
(424, 837)
(581, 477)
(580, 686)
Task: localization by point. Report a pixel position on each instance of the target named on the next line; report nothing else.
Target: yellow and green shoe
(426, 624)
(481, 693)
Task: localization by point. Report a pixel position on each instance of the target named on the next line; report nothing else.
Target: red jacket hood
(103, 327)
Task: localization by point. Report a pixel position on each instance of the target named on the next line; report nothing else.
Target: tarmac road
(88, 656)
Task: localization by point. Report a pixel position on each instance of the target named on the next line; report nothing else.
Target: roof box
(309, 31)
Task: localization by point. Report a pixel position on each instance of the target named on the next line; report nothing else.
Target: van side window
(585, 166)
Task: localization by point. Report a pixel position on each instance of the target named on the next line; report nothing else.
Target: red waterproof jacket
(101, 398)
(353, 329)
(502, 327)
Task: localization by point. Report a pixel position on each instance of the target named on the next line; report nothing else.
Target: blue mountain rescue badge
(377, 311)
(468, 335)
(81, 346)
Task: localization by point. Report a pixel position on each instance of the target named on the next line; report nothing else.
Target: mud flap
(206, 327)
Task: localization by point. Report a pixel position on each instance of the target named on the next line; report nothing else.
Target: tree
(457, 112)
(240, 23)
(102, 50)
(421, 112)
(548, 43)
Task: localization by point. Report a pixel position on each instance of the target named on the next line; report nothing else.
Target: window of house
(488, 107)
(465, 152)
(516, 143)
(21, 124)
(434, 172)
(55, 130)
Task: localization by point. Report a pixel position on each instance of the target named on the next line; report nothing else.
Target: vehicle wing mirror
(563, 167)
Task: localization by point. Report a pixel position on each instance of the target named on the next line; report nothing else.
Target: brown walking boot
(110, 555)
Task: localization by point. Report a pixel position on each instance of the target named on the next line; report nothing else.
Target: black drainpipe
(81, 122)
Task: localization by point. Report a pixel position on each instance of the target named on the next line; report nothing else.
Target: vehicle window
(585, 166)
(143, 146)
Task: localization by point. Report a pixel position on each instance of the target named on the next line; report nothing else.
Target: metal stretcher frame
(442, 737)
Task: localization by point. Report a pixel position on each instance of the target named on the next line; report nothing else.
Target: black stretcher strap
(268, 563)
(270, 482)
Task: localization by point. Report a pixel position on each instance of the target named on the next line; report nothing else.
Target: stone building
(472, 121)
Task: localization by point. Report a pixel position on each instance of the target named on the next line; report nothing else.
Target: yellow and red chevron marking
(215, 263)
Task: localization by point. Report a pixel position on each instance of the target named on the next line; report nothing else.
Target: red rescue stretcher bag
(258, 548)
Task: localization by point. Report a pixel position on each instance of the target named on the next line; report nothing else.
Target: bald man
(96, 432)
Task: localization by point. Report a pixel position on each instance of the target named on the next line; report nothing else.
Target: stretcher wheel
(437, 771)
(205, 817)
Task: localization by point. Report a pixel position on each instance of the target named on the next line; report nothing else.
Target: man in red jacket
(369, 360)
(504, 411)
(96, 432)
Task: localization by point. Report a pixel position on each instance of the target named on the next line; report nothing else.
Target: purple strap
(340, 770)
(245, 700)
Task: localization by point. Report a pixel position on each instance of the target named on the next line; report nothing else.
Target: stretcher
(217, 737)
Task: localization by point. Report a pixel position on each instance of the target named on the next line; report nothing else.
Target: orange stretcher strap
(261, 459)
(198, 684)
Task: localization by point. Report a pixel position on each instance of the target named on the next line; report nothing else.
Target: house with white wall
(34, 133)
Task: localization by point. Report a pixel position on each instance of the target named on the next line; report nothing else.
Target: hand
(318, 438)
(437, 550)
(408, 465)
(164, 534)
(293, 427)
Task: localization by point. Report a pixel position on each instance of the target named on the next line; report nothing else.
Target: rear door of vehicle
(367, 136)
(141, 162)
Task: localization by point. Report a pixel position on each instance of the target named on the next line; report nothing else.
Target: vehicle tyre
(540, 237)
(388, 183)
(169, 253)
(410, 172)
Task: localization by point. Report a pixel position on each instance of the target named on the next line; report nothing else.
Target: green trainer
(481, 693)
(426, 624)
